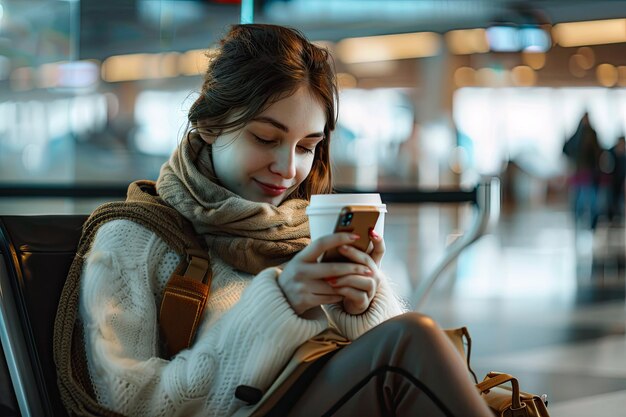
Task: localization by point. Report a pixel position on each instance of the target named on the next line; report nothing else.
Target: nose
(284, 163)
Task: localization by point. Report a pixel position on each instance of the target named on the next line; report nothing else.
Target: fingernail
(332, 281)
(374, 234)
(367, 271)
(355, 237)
(344, 248)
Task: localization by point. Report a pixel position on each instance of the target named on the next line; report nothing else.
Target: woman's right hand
(303, 279)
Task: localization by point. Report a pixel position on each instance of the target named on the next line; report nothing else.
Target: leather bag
(502, 400)
(510, 401)
(183, 302)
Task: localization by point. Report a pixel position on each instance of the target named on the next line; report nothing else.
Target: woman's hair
(256, 66)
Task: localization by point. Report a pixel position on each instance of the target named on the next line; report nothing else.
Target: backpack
(38, 251)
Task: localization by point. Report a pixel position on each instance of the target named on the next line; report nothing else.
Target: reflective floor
(542, 301)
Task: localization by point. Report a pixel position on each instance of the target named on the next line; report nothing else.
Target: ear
(205, 133)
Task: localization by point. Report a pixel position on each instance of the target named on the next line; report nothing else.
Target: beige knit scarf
(248, 235)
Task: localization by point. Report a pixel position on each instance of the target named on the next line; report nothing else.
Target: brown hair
(257, 65)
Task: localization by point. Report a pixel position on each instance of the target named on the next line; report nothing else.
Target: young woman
(256, 151)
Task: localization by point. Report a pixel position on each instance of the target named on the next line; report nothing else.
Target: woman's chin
(260, 198)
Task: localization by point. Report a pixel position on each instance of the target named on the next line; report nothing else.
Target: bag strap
(187, 289)
(493, 379)
(185, 296)
(462, 341)
(145, 207)
(468, 340)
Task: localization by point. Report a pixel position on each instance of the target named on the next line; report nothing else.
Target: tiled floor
(541, 301)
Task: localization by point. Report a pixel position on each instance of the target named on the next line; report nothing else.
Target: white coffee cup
(325, 208)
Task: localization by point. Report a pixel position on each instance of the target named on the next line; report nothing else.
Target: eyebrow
(279, 125)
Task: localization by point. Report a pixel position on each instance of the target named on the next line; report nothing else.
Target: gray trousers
(403, 367)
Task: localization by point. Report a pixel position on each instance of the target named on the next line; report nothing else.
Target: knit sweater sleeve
(384, 306)
(247, 345)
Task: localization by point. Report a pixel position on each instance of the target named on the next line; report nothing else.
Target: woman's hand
(307, 283)
(303, 279)
(378, 247)
(359, 290)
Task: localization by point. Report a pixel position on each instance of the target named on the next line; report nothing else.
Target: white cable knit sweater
(249, 330)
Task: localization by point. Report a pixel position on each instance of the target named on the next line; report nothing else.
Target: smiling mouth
(269, 189)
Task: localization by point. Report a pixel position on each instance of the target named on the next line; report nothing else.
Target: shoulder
(126, 239)
(122, 231)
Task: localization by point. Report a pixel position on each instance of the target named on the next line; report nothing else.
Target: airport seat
(36, 253)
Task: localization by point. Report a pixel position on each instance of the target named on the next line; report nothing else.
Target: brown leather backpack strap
(143, 206)
(185, 296)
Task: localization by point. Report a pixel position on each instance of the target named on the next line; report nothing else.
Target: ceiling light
(193, 62)
(594, 32)
(464, 76)
(535, 60)
(587, 57)
(467, 41)
(388, 47)
(607, 75)
(346, 80)
(523, 76)
(124, 68)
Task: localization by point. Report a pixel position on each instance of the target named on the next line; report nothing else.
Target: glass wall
(432, 94)
(96, 93)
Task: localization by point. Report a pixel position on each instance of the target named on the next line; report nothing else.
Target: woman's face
(268, 158)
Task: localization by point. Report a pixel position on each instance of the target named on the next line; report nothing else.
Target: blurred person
(615, 209)
(255, 151)
(584, 151)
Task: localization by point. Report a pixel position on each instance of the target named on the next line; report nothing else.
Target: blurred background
(435, 95)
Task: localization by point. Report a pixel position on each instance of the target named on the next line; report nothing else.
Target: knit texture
(248, 330)
(267, 234)
(248, 333)
(144, 207)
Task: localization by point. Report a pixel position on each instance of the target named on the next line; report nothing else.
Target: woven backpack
(183, 302)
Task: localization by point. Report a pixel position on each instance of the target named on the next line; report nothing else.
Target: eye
(261, 140)
(306, 150)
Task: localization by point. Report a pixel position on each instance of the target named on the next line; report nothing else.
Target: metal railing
(62, 190)
(485, 197)
(408, 195)
(487, 212)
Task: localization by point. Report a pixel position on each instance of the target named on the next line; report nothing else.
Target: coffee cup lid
(320, 200)
(311, 210)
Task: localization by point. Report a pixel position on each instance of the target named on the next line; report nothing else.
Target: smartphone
(353, 219)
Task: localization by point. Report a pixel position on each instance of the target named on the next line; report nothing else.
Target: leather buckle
(197, 268)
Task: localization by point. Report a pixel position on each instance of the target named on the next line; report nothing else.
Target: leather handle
(462, 342)
(468, 340)
(493, 379)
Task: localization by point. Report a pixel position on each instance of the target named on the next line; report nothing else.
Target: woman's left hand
(378, 247)
(358, 291)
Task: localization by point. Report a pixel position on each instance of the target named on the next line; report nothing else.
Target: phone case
(354, 219)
